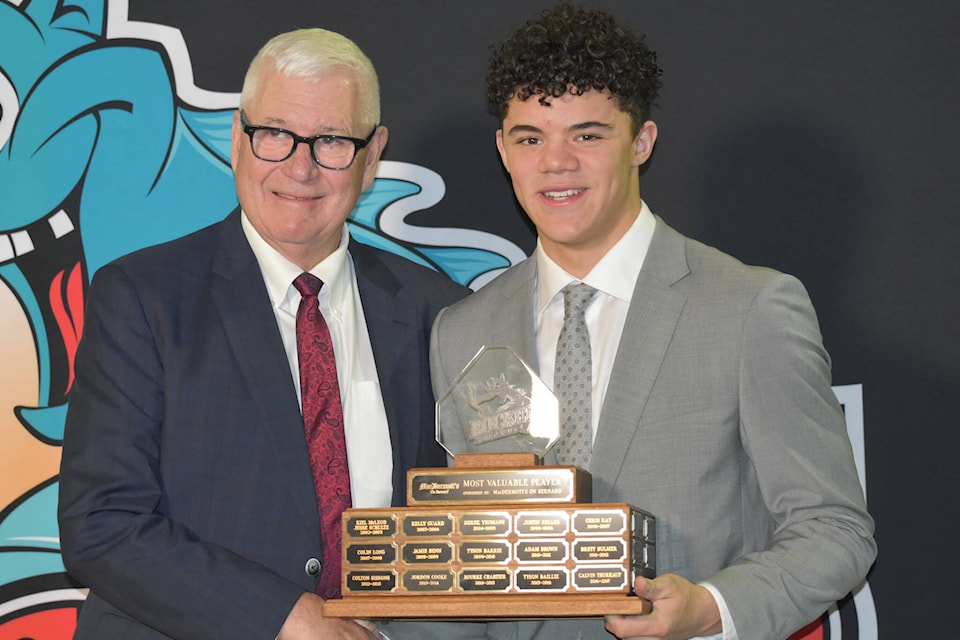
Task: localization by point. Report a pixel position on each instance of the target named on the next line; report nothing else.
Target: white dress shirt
(614, 277)
(369, 451)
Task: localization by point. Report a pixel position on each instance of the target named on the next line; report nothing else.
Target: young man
(190, 498)
(711, 400)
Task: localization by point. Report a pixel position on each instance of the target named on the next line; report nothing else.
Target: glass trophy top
(497, 405)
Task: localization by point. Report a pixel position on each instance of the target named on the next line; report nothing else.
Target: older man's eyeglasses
(333, 152)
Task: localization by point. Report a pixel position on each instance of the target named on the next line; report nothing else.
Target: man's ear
(644, 142)
(503, 155)
(374, 150)
(237, 135)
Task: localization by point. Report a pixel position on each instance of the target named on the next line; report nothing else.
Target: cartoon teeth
(20, 242)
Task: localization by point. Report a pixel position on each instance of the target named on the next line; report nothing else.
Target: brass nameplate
(600, 578)
(484, 523)
(374, 526)
(536, 484)
(485, 580)
(427, 552)
(542, 551)
(379, 553)
(436, 525)
(484, 551)
(379, 581)
(417, 580)
(542, 579)
(543, 523)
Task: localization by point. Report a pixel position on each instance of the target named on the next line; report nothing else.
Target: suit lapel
(518, 302)
(651, 320)
(240, 296)
(512, 320)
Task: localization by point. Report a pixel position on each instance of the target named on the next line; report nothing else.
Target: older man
(198, 500)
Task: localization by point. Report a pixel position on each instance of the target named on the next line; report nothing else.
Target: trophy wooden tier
(499, 535)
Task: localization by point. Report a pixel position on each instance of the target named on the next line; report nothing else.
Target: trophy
(500, 534)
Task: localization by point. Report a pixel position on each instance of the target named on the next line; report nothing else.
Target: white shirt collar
(279, 273)
(616, 272)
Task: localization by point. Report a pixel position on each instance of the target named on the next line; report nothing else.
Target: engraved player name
(484, 551)
(371, 553)
(485, 580)
(432, 580)
(420, 553)
(377, 581)
(364, 527)
(602, 550)
(542, 551)
(598, 522)
(541, 579)
(485, 524)
(543, 523)
(427, 525)
(600, 578)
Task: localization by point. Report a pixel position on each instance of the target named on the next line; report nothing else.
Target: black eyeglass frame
(358, 143)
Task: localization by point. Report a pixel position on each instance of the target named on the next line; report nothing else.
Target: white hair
(315, 53)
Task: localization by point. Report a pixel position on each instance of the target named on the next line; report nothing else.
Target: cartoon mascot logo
(106, 146)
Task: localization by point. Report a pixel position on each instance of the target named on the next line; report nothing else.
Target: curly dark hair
(575, 50)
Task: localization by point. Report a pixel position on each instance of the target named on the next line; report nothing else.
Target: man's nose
(301, 165)
(557, 156)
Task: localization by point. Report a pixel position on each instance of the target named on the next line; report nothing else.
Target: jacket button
(312, 567)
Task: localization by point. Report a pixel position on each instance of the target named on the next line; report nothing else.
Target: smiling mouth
(560, 195)
(287, 196)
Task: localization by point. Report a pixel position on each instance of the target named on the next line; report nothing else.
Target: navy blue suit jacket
(186, 500)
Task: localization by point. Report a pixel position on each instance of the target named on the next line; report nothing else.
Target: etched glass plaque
(497, 405)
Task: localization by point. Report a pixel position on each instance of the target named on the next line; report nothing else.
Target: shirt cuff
(729, 630)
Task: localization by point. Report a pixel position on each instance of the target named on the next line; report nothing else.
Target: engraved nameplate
(542, 551)
(498, 486)
(485, 580)
(600, 578)
(484, 551)
(376, 581)
(542, 579)
(431, 580)
(483, 523)
(370, 526)
(370, 553)
(427, 525)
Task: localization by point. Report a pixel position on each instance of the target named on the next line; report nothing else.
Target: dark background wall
(817, 137)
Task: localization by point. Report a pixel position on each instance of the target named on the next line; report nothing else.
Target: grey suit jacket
(187, 501)
(719, 419)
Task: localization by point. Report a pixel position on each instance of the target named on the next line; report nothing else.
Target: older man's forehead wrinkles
(322, 130)
(271, 121)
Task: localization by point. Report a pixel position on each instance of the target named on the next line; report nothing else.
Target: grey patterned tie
(572, 379)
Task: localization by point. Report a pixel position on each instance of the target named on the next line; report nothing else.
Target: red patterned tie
(323, 422)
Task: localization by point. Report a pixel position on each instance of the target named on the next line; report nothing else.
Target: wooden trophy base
(497, 537)
(486, 607)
